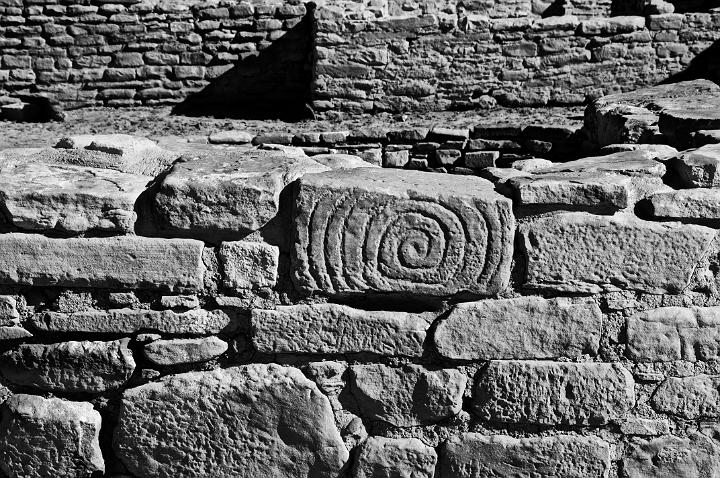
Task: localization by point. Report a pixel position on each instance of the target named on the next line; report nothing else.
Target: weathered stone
(660, 152)
(406, 396)
(180, 302)
(689, 397)
(680, 119)
(698, 168)
(42, 196)
(399, 457)
(553, 393)
(370, 229)
(473, 455)
(630, 163)
(531, 165)
(127, 321)
(674, 333)
(231, 137)
(228, 192)
(9, 314)
(697, 204)
(112, 262)
(481, 159)
(43, 437)
(672, 456)
(342, 161)
(253, 420)
(580, 252)
(521, 328)
(13, 332)
(184, 351)
(90, 367)
(249, 265)
(338, 329)
(645, 426)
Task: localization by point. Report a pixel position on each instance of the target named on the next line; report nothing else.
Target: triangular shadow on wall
(706, 65)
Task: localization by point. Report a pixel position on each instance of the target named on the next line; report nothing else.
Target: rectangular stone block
(521, 328)
(115, 262)
(248, 265)
(672, 456)
(370, 229)
(553, 393)
(692, 398)
(338, 329)
(584, 253)
(473, 455)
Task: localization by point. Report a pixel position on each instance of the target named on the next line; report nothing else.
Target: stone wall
(242, 311)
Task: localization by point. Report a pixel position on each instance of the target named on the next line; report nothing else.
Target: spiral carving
(362, 240)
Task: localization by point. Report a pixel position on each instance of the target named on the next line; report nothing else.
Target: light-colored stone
(473, 455)
(406, 396)
(629, 163)
(674, 333)
(370, 229)
(680, 119)
(586, 189)
(9, 314)
(112, 262)
(184, 351)
(697, 204)
(692, 398)
(531, 165)
(232, 136)
(249, 421)
(342, 161)
(661, 152)
(698, 168)
(553, 393)
(179, 302)
(90, 367)
(13, 332)
(128, 321)
(394, 457)
(672, 457)
(581, 252)
(249, 265)
(521, 328)
(645, 426)
(228, 192)
(49, 437)
(338, 329)
(42, 196)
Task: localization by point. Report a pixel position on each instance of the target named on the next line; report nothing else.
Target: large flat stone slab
(521, 328)
(128, 321)
(42, 196)
(698, 168)
(398, 231)
(672, 456)
(380, 456)
(699, 204)
(338, 329)
(249, 421)
(629, 163)
(553, 393)
(680, 119)
(85, 367)
(406, 396)
(473, 455)
(231, 193)
(43, 437)
(113, 262)
(674, 333)
(692, 398)
(581, 252)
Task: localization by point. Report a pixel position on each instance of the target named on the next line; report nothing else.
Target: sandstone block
(553, 393)
(43, 437)
(697, 204)
(228, 192)
(406, 396)
(231, 137)
(672, 456)
(89, 367)
(473, 455)
(184, 351)
(253, 420)
(113, 262)
(680, 119)
(698, 168)
(249, 265)
(580, 252)
(641, 162)
(521, 328)
(128, 321)
(338, 329)
(342, 161)
(9, 314)
(692, 397)
(369, 229)
(645, 426)
(381, 456)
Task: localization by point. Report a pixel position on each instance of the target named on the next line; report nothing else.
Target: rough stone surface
(184, 351)
(401, 457)
(645, 426)
(43, 437)
(680, 119)
(401, 231)
(342, 161)
(473, 455)
(579, 252)
(629, 163)
(253, 420)
(522, 328)
(689, 397)
(700, 204)
(123, 262)
(338, 329)
(674, 333)
(127, 321)
(91, 367)
(672, 456)
(698, 168)
(249, 265)
(553, 393)
(406, 396)
(228, 192)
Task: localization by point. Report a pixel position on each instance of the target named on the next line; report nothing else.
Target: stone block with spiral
(408, 232)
